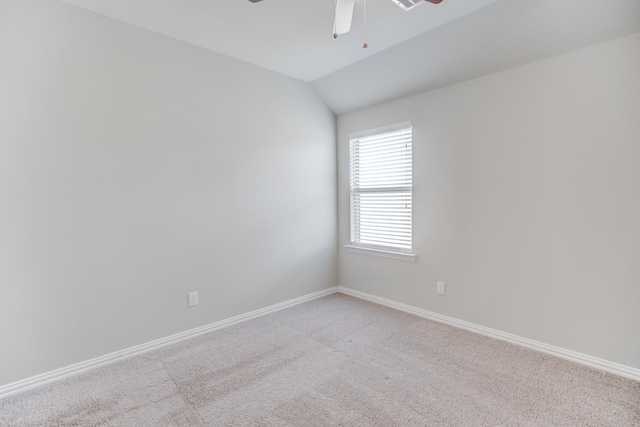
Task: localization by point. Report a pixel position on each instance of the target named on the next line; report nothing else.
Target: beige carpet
(336, 361)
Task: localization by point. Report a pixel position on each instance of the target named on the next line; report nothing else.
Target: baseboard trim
(583, 359)
(58, 374)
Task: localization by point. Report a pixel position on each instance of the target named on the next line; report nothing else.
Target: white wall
(526, 201)
(134, 169)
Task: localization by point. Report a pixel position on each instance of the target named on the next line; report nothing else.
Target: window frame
(380, 250)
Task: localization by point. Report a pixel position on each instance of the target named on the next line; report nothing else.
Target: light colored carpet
(335, 361)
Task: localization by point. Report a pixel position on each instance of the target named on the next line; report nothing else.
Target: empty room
(319, 213)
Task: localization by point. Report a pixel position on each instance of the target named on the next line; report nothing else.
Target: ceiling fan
(405, 4)
(344, 13)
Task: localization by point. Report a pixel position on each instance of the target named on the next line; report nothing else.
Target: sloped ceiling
(291, 37)
(428, 47)
(504, 35)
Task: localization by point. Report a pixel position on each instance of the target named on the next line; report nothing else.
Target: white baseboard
(583, 359)
(58, 374)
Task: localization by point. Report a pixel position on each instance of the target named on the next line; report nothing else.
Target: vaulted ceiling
(427, 47)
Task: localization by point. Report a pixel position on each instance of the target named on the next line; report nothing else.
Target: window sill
(404, 256)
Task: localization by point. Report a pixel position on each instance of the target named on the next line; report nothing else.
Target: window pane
(381, 187)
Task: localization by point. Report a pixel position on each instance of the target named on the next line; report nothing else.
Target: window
(381, 191)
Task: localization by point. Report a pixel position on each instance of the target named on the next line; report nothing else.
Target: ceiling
(425, 48)
(506, 34)
(291, 37)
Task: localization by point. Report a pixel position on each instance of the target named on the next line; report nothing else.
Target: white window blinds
(381, 187)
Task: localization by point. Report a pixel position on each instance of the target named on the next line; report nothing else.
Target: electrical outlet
(440, 288)
(193, 299)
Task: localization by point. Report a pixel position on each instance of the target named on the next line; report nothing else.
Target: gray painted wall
(526, 201)
(135, 168)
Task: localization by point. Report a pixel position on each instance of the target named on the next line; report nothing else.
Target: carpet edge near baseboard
(573, 356)
(78, 368)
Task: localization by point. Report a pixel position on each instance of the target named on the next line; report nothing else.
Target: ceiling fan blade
(343, 16)
(410, 4)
